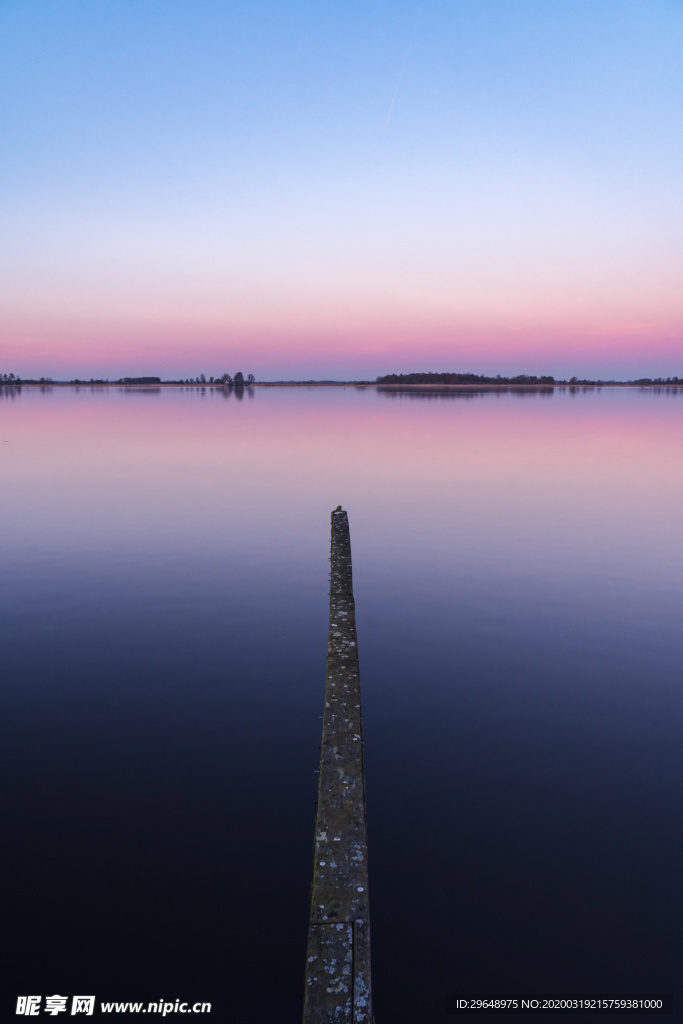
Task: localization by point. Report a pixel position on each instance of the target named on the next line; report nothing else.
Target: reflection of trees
(664, 390)
(452, 392)
(237, 390)
(136, 391)
(10, 391)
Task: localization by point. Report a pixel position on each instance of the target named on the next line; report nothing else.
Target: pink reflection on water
(487, 472)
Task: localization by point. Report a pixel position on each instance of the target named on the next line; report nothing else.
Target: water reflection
(657, 389)
(135, 391)
(163, 610)
(434, 391)
(236, 390)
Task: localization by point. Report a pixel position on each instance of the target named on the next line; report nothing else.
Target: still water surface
(518, 568)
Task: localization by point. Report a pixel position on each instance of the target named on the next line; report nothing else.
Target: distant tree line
(521, 378)
(657, 380)
(238, 381)
(675, 381)
(138, 380)
(461, 378)
(226, 380)
(13, 379)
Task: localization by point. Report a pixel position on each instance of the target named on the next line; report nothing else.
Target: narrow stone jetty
(338, 956)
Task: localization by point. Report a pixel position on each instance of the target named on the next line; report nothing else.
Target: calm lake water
(518, 574)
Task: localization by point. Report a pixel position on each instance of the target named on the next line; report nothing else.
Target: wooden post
(338, 957)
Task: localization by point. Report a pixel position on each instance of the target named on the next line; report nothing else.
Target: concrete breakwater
(338, 956)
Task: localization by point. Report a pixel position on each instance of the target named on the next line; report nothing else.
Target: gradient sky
(317, 189)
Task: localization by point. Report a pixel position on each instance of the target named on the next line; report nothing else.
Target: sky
(317, 189)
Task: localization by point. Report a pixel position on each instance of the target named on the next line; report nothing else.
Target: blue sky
(342, 189)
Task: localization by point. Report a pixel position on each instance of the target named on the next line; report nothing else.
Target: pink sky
(112, 349)
(286, 208)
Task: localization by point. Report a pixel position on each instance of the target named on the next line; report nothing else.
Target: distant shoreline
(333, 384)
